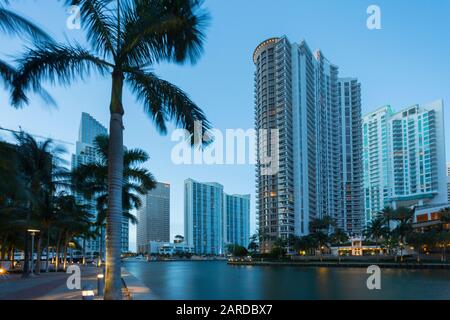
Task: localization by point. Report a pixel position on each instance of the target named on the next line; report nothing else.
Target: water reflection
(216, 280)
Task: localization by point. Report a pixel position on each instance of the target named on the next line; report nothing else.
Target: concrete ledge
(136, 288)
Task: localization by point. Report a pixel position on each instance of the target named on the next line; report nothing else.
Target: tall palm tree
(91, 180)
(126, 39)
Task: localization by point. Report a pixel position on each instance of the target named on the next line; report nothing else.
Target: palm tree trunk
(113, 284)
(38, 256)
(65, 256)
(47, 250)
(84, 251)
(57, 254)
(11, 256)
(26, 258)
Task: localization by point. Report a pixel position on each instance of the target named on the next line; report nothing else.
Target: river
(215, 280)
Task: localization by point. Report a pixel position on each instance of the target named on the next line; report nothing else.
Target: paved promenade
(46, 286)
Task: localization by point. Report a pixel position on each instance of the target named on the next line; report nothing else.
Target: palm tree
(126, 39)
(91, 180)
(388, 214)
(404, 217)
(339, 237)
(444, 231)
(39, 163)
(320, 231)
(376, 230)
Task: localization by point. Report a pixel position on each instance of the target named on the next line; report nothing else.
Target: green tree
(237, 250)
(320, 229)
(403, 217)
(126, 39)
(377, 230)
(39, 164)
(339, 237)
(253, 245)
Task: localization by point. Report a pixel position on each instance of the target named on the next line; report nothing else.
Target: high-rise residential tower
(154, 217)
(85, 153)
(352, 218)
(214, 219)
(404, 157)
(297, 96)
(203, 216)
(236, 219)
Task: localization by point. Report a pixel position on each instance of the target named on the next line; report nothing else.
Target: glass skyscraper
(236, 219)
(213, 219)
(297, 93)
(404, 157)
(154, 217)
(85, 153)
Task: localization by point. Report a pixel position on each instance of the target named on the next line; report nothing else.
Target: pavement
(46, 286)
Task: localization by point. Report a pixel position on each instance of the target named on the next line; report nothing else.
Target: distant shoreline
(362, 264)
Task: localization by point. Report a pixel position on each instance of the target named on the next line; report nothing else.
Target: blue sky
(404, 63)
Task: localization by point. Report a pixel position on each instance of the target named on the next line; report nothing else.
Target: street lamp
(33, 233)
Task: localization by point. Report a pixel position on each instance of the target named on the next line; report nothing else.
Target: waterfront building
(154, 217)
(448, 182)
(86, 153)
(352, 214)
(213, 219)
(236, 219)
(297, 96)
(166, 248)
(404, 158)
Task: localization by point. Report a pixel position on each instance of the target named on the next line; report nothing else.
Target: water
(215, 280)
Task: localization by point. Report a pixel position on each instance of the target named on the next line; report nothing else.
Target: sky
(404, 63)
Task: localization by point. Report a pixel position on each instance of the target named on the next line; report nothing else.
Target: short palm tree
(376, 230)
(40, 165)
(126, 39)
(339, 237)
(91, 180)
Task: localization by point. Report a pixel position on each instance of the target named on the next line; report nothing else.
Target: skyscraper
(352, 218)
(89, 129)
(236, 219)
(86, 153)
(404, 157)
(448, 182)
(154, 217)
(214, 219)
(203, 216)
(297, 94)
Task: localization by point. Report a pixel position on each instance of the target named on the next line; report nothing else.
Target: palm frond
(164, 102)
(98, 23)
(53, 62)
(158, 30)
(13, 24)
(7, 73)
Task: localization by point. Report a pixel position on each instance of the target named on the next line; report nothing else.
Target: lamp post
(33, 233)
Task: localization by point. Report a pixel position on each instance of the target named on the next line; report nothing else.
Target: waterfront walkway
(46, 286)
